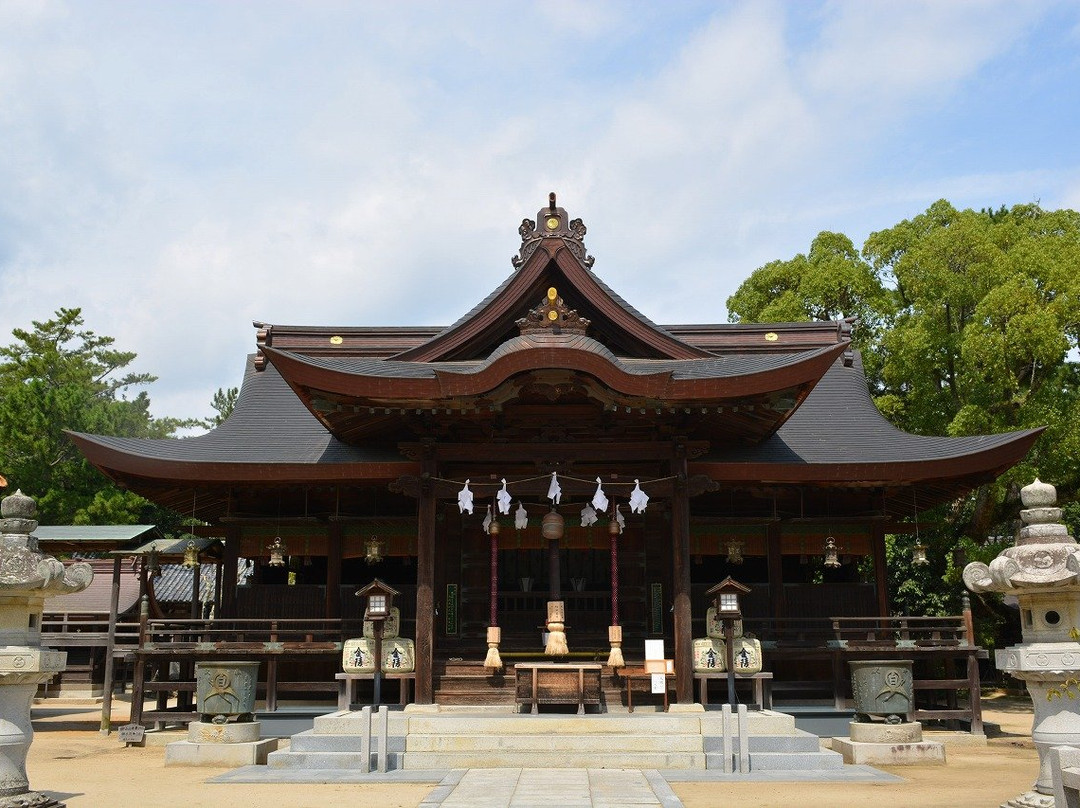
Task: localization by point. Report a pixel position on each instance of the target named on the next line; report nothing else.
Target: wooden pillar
(425, 584)
(230, 561)
(881, 580)
(114, 606)
(776, 569)
(333, 569)
(680, 530)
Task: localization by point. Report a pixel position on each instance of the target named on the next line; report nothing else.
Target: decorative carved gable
(552, 316)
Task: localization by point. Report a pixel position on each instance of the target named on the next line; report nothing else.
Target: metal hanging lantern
(153, 563)
(735, 552)
(918, 554)
(832, 560)
(277, 552)
(191, 555)
(373, 550)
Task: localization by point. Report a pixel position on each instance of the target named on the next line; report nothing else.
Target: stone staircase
(455, 738)
(573, 741)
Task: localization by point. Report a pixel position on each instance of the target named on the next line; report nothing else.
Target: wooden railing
(67, 629)
(162, 641)
(937, 646)
(939, 643)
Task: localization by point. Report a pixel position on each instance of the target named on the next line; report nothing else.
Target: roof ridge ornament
(552, 316)
(553, 223)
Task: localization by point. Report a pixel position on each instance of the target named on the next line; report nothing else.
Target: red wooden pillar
(680, 532)
(425, 584)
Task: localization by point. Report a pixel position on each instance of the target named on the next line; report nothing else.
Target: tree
(987, 313)
(59, 377)
(830, 282)
(974, 322)
(224, 401)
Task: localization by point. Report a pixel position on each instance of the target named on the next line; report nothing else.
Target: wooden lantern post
(726, 600)
(379, 599)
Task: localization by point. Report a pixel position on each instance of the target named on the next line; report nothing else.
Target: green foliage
(224, 401)
(969, 325)
(60, 377)
(831, 282)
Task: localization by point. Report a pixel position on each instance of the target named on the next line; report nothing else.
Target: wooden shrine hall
(758, 446)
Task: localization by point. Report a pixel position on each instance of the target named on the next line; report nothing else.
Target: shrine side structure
(758, 446)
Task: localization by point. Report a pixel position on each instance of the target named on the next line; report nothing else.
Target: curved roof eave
(122, 463)
(684, 380)
(983, 456)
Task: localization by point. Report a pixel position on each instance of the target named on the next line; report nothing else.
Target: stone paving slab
(544, 788)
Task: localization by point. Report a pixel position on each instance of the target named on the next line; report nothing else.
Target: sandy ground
(71, 761)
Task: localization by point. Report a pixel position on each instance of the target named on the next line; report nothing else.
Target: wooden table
(558, 683)
(629, 674)
(347, 686)
(762, 686)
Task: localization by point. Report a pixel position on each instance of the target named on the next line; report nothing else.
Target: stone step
(329, 760)
(312, 742)
(804, 742)
(555, 760)
(555, 744)
(795, 761)
(547, 725)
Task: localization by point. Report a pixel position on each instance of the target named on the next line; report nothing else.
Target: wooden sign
(131, 733)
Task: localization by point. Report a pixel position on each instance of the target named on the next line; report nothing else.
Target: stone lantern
(1041, 571)
(27, 577)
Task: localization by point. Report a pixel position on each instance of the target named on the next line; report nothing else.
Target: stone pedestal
(27, 576)
(876, 744)
(228, 744)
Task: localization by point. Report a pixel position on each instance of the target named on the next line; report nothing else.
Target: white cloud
(179, 170)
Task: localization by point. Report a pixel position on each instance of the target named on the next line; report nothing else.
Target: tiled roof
(97, 596)
(269, 425)
(173, 585)
(838, 423)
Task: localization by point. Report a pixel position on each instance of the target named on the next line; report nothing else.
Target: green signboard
(451, 609)
(656, 608)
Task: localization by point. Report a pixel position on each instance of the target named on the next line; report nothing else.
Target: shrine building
(352, 452)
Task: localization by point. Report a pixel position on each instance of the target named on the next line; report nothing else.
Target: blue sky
(180, 169)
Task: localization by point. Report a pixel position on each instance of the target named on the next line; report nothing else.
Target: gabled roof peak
(552, 222)
(552, 316)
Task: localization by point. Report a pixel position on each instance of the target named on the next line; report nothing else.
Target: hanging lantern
(373, 549)
(553, 525)
(831, 559)
(734, 552)
(277, 552)
(191, 555)
(153, 563)
(918, 554)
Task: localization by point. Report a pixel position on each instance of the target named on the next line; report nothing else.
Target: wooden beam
(229, 563)
(114, 605)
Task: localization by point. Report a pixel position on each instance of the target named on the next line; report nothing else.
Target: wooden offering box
(558, 683)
